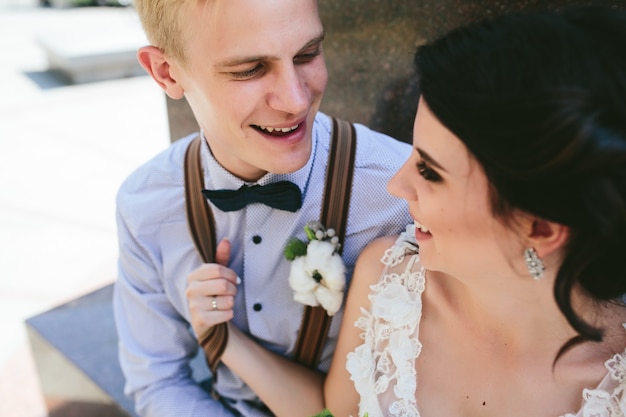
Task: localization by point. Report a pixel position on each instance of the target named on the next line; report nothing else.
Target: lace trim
(383, 367)
(609, 398)
(384, 364)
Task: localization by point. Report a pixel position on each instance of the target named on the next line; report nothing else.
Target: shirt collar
(216, 177)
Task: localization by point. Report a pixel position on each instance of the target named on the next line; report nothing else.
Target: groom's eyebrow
(429, 159)
(235, 61)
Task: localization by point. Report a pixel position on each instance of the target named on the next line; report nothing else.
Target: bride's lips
(421, 232)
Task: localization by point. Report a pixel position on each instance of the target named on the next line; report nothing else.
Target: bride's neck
(523, 312)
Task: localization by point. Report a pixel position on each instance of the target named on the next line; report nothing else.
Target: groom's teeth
(421, 228)
(279, 129)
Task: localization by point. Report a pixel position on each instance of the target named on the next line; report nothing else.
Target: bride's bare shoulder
(375, 250)
(369, 262)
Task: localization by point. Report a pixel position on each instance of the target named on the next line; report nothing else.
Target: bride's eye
(428, 173)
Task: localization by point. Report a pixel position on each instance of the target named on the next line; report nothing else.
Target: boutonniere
(317, 274)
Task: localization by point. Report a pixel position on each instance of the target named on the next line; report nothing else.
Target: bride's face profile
(448, 197)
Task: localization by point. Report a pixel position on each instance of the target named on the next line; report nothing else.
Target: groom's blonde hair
(165, 25)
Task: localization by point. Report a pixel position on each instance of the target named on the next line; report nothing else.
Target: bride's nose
(400, 185)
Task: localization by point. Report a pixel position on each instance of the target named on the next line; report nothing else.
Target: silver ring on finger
(214, 303)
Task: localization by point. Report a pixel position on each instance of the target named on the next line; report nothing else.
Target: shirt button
(256, 239)
(257, 307)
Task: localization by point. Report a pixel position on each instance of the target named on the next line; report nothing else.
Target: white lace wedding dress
(382, 368)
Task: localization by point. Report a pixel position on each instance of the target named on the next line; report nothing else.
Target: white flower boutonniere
(317, 274)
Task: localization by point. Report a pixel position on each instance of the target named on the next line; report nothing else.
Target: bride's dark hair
(541, 103)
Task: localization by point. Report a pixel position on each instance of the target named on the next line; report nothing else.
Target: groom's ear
(154, 61)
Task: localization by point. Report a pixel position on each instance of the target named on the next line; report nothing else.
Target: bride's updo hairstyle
(539, 99)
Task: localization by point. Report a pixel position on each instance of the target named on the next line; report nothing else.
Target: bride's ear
(158, 66)
(545, 236)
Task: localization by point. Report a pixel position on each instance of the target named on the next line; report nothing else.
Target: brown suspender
(202, 228)
(334, 214)
(315, 321)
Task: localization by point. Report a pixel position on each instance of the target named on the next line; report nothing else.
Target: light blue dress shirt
(157, 253)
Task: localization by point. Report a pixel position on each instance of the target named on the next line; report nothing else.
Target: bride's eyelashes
(427, 172)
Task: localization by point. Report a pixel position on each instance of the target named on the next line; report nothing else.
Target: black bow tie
(283, 195)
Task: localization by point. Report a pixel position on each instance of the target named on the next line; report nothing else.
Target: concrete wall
(369, 53)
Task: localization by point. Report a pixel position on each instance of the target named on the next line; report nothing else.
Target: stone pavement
(64, 150)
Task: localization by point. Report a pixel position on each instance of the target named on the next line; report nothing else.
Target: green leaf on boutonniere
(324, 413)
(310, 232)
(295, 247)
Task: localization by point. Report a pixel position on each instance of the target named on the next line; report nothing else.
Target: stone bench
(74, 347)
(87, 54)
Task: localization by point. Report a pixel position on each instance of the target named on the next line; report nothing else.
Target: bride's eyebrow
(429, 159)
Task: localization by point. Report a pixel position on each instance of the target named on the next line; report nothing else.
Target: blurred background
(65, 147)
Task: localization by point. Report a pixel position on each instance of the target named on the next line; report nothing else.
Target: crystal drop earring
(534, 263)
